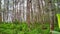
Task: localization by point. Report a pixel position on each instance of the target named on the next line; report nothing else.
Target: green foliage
(22, 28)
(58, 18)
(57, 25)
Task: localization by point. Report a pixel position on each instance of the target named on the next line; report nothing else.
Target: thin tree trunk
(0, 4)
(28, 11)
(0, 12)
(51, 16)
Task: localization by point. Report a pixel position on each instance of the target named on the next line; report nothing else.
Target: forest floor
(22, 28)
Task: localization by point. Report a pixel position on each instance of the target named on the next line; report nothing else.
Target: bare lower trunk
(28, 11)
(51, 13)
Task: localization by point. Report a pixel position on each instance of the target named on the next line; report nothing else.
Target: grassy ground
(22, 28)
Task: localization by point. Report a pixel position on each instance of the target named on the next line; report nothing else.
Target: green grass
(22, 28)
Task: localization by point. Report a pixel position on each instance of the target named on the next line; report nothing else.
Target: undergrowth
(22, 28)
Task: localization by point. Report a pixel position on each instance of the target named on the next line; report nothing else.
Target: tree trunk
(0, 12)
(51, 13)
(28, 11)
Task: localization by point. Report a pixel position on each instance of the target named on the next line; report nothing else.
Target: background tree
(0, 12)
(28, 11)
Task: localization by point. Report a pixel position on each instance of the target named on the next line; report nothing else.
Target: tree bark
(51, 13)
(28, 11)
